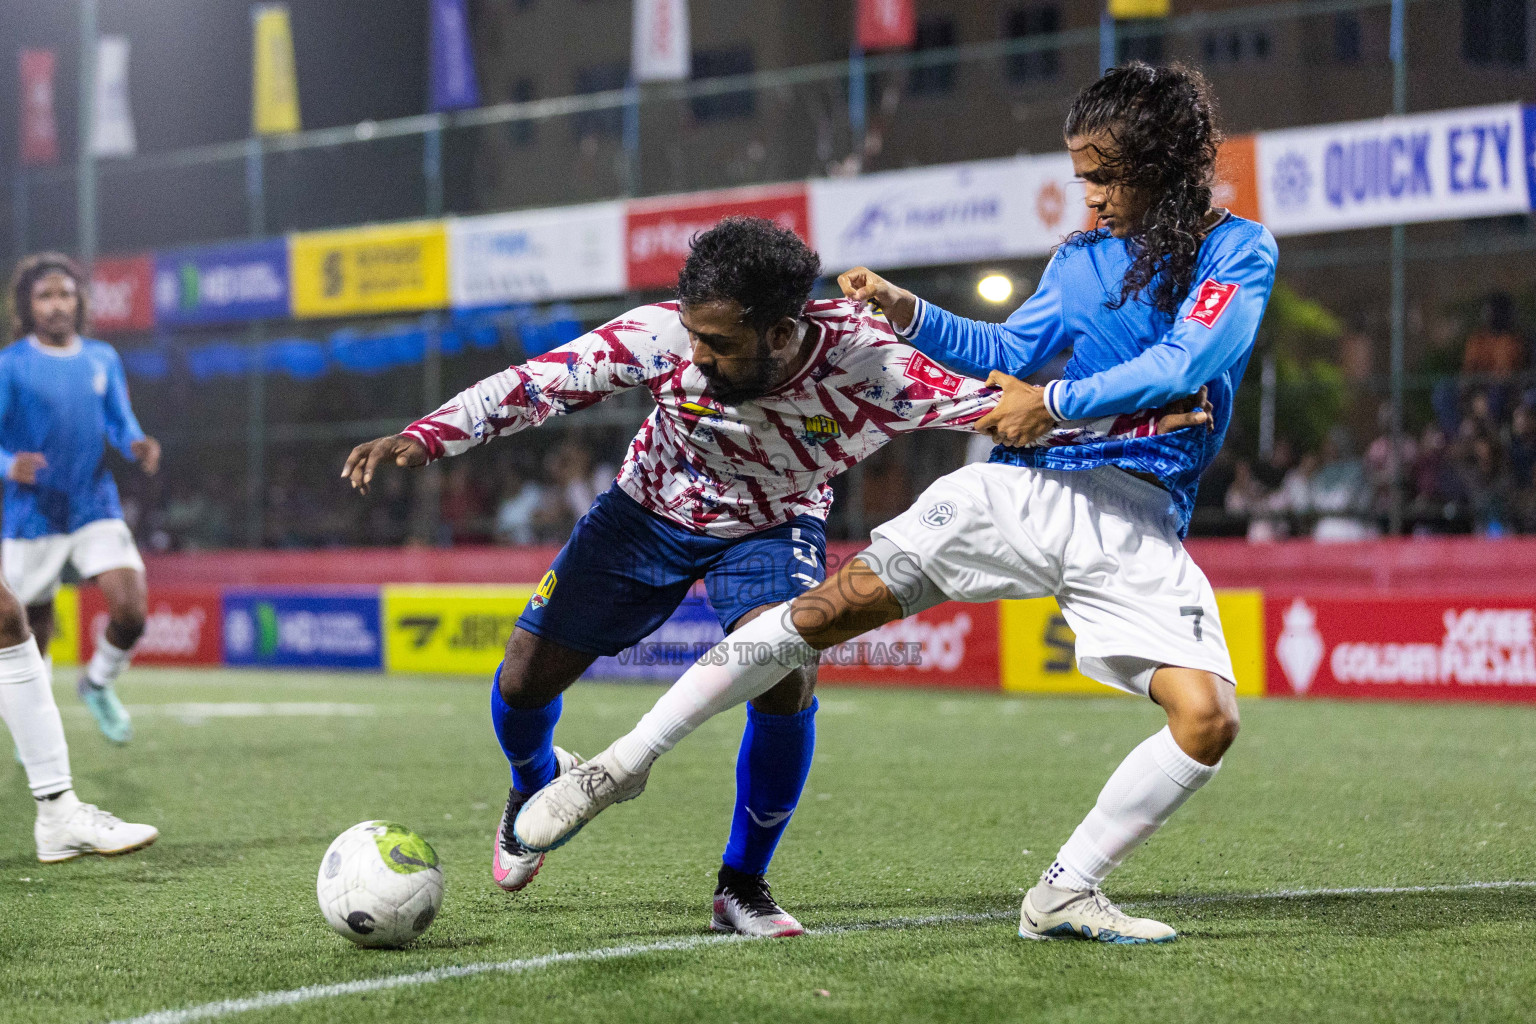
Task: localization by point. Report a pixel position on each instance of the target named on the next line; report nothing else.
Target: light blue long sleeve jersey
(1127, 359)
(67, 404)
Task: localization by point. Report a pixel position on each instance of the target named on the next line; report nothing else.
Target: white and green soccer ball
(380, 884)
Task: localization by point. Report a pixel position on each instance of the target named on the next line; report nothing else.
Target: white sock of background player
(743, 665)
(107, 663)
(1150, 784)
(28, 710)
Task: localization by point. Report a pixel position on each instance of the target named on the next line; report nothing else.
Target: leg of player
(1142, 794)
(127, 599)
(771, 769)
(65, 827)
(525, 707)
(745, 664)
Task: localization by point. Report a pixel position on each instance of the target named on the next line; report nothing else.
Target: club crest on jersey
(822, 428)
(925, 371)
(1210, 302)
(545, 591)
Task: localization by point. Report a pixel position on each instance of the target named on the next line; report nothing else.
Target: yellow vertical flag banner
(1037, 646)
(274, 79)
(1125, 10)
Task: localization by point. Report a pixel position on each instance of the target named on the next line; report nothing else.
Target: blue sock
(527, 738)
(771, 770)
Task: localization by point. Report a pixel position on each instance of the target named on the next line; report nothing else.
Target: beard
(759, 378)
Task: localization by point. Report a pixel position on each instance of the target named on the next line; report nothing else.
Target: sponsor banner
(666, 654)
(1530, 154)
(1403, 648)
(303, 628)
(222, 283)
(658, 231)
(565, 253)
(887, 24)
(1395, 170)
(39, 124)
(987, 209)
(1038, 656)
(449, 630)
(659, 50)
(65, 645)
(274, 78)
(952, 644)
(393, 268)
(122, 293)
(183, 627)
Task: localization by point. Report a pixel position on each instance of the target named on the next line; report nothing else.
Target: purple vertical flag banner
(452, 70)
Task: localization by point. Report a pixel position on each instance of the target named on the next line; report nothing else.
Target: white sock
(107, 663)
(27, 707)
(51, 812)
(1150, 784)
(745, 664)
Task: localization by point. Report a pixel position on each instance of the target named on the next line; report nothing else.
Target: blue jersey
(67, 404)
(1127, 359)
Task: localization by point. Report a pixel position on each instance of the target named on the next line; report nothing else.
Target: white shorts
(1102, 541)
(33, 567)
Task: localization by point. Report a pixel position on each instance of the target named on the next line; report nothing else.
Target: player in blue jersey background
(63, 399)
(1162, 299)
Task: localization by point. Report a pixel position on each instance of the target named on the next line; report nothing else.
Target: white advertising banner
(660, 50)
(987, 209)
(112, 131)
(1447, 165)
(537, 255)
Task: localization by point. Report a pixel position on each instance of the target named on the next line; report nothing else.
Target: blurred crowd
(1467, 461)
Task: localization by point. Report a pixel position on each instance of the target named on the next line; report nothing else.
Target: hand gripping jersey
(68, 404)
(1128, 358)
(731, 470)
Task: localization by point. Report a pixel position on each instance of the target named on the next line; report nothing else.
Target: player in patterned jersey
(761, 398)
(63, 398)
(1164, 297)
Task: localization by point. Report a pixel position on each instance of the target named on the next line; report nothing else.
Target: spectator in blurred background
(1495, 353)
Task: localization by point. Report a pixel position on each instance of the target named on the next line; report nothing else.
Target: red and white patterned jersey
(732, 470)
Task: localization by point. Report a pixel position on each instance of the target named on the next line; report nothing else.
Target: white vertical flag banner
(112, 132)
(660, 52)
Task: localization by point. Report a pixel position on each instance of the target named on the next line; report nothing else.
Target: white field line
(311, 993)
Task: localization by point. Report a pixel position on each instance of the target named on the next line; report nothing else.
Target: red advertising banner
(1407, 648)
(887, 24)
(952, 644)
(39, 125)
(184, 626)
(658, 232)
(122, 293)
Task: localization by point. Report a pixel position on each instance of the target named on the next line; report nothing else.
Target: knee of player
(127, 625)
(1210, 727)
(13, 625)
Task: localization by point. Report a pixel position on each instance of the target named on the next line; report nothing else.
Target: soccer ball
(380, 884)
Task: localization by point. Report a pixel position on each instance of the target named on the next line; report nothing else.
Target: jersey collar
(72, 349)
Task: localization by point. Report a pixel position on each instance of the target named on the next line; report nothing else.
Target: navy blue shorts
(625, 570)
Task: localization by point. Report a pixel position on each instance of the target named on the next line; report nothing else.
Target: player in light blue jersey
(1162, 299)
(63, 399)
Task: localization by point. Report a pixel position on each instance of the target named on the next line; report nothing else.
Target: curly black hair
(31, 270)
(766, 268)
(1163, 123)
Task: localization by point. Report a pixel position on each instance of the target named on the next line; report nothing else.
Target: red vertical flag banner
(39, 126)
(887, 24)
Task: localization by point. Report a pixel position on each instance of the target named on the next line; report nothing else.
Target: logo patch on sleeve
(1211, 301)
(925, 371)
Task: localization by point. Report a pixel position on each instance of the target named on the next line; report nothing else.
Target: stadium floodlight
(995, 287)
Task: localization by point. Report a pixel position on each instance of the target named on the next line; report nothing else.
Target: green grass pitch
(932, 809)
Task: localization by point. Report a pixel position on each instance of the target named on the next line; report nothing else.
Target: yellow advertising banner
(449, 630)
(65, 645)
(1036, 646)
(274, 80)
(385, 269)
(1124, 10)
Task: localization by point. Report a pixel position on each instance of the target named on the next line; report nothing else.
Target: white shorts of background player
(33, 568)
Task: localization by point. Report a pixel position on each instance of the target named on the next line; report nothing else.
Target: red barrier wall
(1460, 565)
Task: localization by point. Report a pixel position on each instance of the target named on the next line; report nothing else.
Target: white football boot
(1084, 914)
(74, 829)
(513, 865)
(558, 811)
(745, 906)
